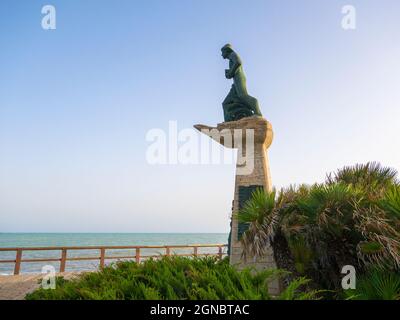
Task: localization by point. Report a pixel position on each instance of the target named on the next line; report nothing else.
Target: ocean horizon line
(108, 232)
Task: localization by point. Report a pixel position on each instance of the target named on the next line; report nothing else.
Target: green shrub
(170, 278)
(301, 253)
(351, 219)
(376, 285)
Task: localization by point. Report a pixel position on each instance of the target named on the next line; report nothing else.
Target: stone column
(251, 136)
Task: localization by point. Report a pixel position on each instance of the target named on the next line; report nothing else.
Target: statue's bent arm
(236, 63)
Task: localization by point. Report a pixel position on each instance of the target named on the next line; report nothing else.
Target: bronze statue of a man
(238, 103)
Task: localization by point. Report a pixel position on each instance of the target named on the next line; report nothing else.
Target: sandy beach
(16, 287)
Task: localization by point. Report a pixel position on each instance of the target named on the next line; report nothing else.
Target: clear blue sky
(76, 104)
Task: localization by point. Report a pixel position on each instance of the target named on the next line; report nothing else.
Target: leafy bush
(171, 278)
(351, 219)
(376, 285)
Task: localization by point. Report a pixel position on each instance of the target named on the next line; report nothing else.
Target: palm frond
(391, 202)
(376, 285)
(261, 214)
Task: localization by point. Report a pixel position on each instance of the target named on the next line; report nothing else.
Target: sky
(77, 102)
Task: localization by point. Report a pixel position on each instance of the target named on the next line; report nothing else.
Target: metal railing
(102, 257)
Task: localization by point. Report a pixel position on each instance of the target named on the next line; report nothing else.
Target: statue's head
(226, 50)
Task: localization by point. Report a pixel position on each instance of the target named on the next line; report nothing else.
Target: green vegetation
(172, 278)
(351, 219)
(376, 285)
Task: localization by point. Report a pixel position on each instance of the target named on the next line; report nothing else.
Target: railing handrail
(111, 247)
(63, 259)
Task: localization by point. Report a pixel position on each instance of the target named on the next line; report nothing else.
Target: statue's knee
(253, 101)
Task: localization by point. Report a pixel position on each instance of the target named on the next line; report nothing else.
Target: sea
(12, 240)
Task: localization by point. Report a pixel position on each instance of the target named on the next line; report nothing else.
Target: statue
(246, 130)
(238, 103)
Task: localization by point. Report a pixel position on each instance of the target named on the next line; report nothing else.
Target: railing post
(63, 260)
(137, 255)
(18, 258)
(195, 251)
(167, 251)
(102, 257)
(220, 252)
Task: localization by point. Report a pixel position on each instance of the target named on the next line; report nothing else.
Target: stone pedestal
(251, 136)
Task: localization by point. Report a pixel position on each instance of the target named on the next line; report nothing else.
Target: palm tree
(261, 214)
(353, 218)
(372, 177)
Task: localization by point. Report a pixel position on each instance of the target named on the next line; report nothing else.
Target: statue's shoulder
(235, 57)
